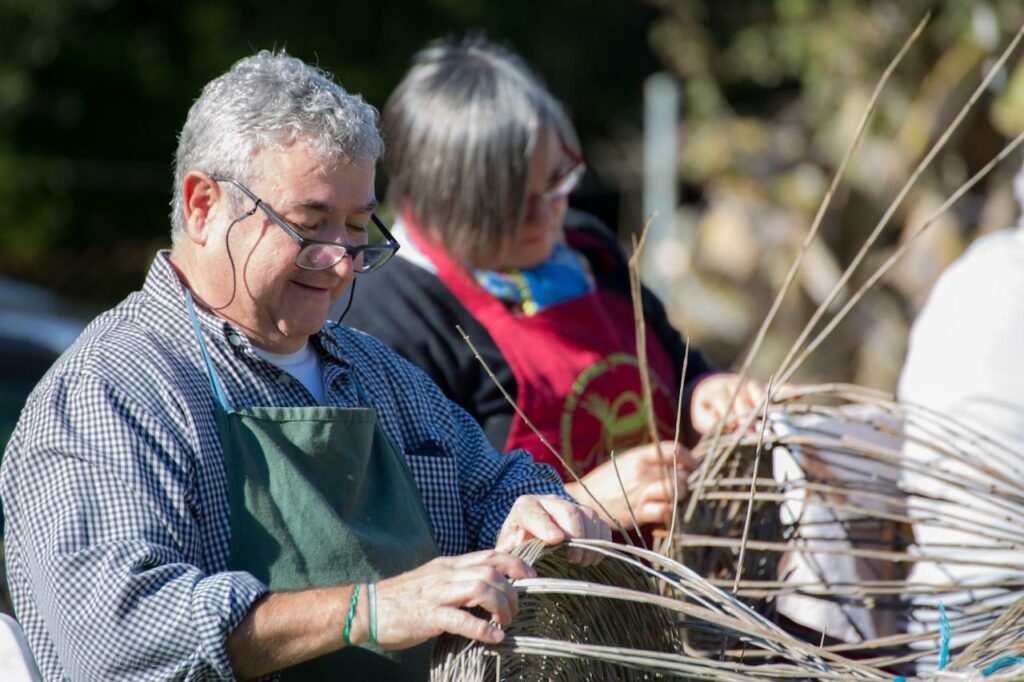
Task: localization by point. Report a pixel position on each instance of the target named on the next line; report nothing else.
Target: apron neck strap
(364, 399)
(218, 390)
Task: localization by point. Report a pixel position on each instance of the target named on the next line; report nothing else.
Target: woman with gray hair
(481, 161)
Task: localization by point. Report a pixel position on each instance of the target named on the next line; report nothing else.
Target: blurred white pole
(661, 113)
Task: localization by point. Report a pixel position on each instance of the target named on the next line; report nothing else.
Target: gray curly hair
(269, 101)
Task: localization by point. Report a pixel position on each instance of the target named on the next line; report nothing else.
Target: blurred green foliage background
(772, 95)
(92, 93)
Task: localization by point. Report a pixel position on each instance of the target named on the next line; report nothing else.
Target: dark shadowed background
(92, 93)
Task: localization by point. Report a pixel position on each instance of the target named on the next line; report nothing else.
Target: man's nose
(345, 267)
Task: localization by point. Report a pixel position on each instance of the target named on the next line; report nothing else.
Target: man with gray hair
(213, 483)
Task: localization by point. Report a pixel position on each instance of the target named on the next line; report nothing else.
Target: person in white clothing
(965, 362)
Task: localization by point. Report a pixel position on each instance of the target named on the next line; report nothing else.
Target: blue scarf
(563, 276)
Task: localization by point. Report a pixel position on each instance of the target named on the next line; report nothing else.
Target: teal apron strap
(218, 390)
(364, 400)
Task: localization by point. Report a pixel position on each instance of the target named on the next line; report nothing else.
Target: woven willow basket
(868, 518)
(570, 614)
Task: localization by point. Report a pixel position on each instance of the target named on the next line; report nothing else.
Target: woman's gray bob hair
(270, 101)
(461, 129)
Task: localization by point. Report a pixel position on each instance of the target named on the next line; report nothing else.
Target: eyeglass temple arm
(385, 231)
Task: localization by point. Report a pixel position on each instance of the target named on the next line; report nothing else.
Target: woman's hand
(435, 598)
(710, 401)
(647, 481)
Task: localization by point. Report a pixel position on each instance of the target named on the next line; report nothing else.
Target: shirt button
(234, 339)
(284, 379)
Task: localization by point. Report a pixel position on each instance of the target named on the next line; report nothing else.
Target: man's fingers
(545, 518)
(489, 591)
(552, 520)
(596, 528)
(506, 564)
(577, 522)
(433, 598)
(483, 578)
(604, 531)
(511, 536)
(570, 521)
(462, 622)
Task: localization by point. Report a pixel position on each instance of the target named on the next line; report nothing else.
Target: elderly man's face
(276, 303)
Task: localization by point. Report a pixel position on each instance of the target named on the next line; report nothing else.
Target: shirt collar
(167, 290)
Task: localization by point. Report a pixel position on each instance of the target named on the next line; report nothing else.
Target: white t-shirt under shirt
(303, 364)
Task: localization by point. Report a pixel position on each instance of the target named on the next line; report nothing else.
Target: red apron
(576, 370)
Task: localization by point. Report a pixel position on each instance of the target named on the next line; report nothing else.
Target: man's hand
(283, 629)
(551, 519)
(646, 479)
(710, 401)
(435, 598)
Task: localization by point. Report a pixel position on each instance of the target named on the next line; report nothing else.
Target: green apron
(320, 496)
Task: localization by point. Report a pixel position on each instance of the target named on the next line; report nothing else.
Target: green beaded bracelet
(351, 614)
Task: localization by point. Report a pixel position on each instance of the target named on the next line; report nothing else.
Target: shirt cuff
(219, 604)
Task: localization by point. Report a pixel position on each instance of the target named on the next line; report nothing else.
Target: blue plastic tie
(1004, 662)
(944, 636)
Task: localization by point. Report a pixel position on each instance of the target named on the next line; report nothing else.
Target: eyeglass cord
(351, 296)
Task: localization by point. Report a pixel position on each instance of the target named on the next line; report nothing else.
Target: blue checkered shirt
(115, 495)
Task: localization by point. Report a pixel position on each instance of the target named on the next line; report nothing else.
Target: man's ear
(201, 197)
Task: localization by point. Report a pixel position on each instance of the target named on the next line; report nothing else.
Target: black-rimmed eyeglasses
(320, 255)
